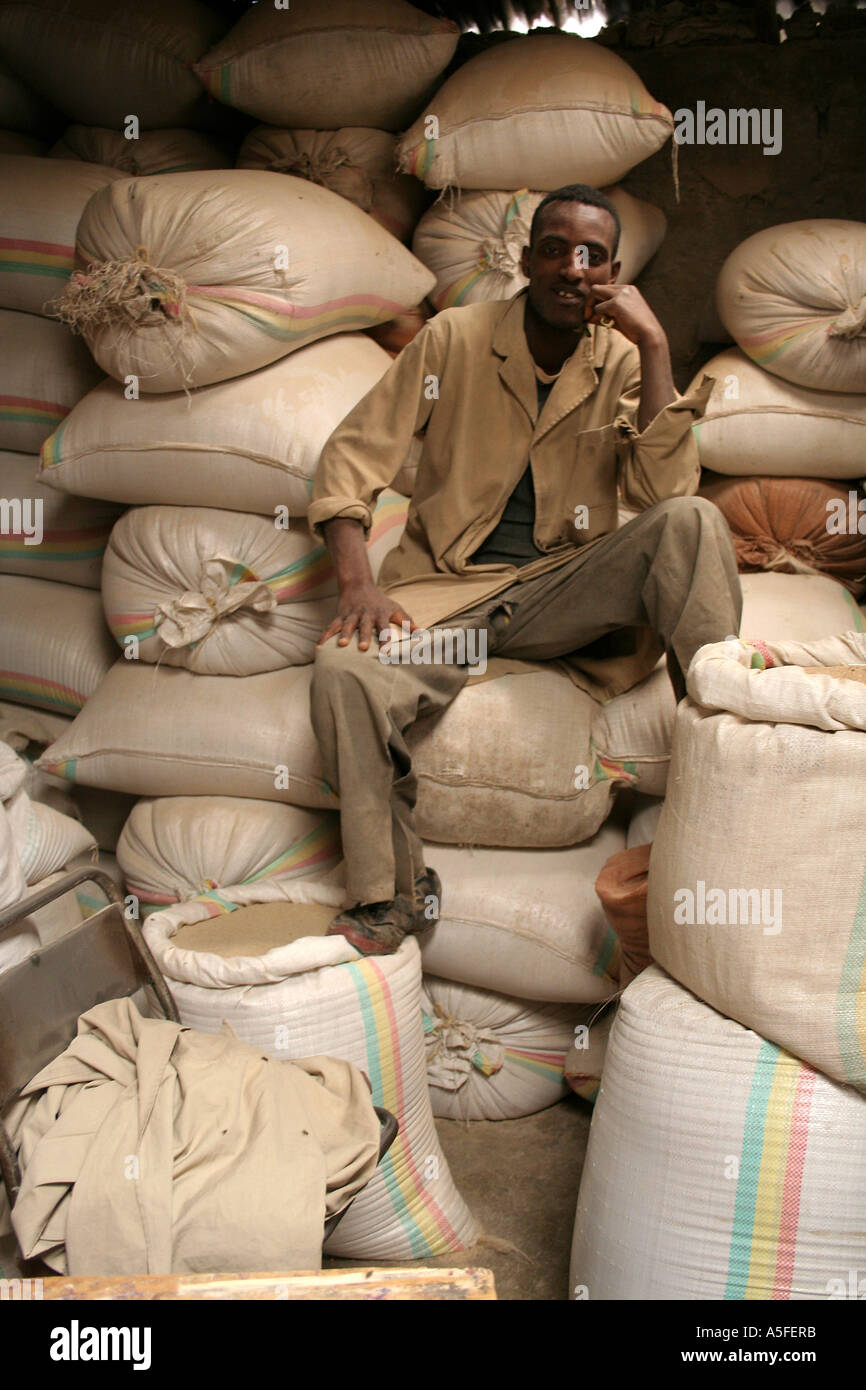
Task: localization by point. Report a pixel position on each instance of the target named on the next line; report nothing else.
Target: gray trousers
(671, 569)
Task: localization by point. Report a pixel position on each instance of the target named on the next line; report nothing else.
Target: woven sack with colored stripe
(525, 922)
(226, 593)
(330, 63)
(757, 424)
(474, 245)
(718, 1166)
(97, 62)
(54, 645)
(151, 152)
(44, 371)
(794, 298)
(177, 847)
(491, 1057)
(540, 111)
(317, 996)
(37, 225)
(356, 162)
(72, 533)
(758, 870)
(251, 444)
(183, 280)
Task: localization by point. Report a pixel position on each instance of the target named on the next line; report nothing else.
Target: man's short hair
(578, 193)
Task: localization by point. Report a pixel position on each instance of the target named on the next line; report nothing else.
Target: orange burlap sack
(781, 524)
(394, 335)
(622, 889)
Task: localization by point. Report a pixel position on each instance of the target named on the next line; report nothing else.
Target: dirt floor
(520, 1179)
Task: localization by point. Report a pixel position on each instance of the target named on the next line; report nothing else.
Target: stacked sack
(782, 438)
(746, 1182)
(200, 596)
(51, 545)
(215, 592)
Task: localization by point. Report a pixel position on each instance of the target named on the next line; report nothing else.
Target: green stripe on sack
(750, 1168)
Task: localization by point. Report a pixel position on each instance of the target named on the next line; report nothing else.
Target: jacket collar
(517, 369)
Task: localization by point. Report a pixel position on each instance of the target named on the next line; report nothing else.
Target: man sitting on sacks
(535, 408)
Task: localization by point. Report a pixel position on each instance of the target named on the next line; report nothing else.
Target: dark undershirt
(510, 542)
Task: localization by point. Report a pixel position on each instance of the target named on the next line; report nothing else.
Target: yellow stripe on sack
(771, 1178)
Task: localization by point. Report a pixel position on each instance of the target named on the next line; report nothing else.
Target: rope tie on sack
(332, 168)
(851, 324)
(503, 253)
(187, 619)
(459, 1045)
(132, 292)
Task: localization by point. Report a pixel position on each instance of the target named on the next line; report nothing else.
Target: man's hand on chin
(624, 307)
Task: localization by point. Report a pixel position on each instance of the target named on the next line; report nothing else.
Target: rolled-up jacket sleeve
(662, 460)
(366, 451)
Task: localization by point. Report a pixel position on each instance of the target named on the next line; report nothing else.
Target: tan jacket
(469, 378)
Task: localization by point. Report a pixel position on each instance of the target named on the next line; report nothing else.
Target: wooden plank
(365, 1283)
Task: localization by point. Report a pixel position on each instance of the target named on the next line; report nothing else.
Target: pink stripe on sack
(790, 1215)
(432, 1205)
(282, 306)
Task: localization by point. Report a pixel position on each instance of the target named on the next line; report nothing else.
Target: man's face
(571, 253)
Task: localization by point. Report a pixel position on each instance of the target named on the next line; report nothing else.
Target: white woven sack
(89, 60)
(329, 63)
(318, 996)
(37, 226)
(644, 822)
(149, 152)
(356, 162)
(37, 839)
(758, 424)
(525, 922)
(190, 279)
(796, 607)
(763, 917)
(44, 370)
(490, 1057)
(225, 593)
(251, 444)
(49, 923)
(54, 535)
(718, 1166)
(794, 298)
(537, 112)
(473, 244)
(40, 665)
(176, 848)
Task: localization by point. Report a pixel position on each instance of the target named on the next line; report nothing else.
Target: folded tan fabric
(622, 889)
(146, 1147)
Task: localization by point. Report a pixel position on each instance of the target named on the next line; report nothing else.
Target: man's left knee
(691, 512)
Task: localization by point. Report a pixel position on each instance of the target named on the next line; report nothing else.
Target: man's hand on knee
(364, 609)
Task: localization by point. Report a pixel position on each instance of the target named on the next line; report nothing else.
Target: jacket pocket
(584, 503)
